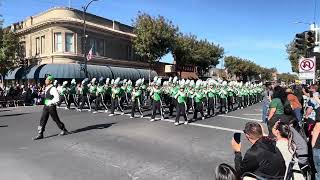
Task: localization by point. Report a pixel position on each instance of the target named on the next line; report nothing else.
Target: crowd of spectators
(289, 148)
(21, 95)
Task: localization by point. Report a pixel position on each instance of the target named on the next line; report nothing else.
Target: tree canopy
(154, 36)
(244, 69)
(9, 47)
(293, 55)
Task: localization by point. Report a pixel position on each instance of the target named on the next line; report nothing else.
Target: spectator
(315, 143)
(286, 145)
(295, 104)
(276, 106)
(263, 158)
(266, 101)
(225, 172)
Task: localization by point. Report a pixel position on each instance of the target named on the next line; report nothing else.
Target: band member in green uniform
(157, 105)
(181, 98)
(84, 94)
(63, 92)
(223, 97)
(115, 97)
(72, 95)
(210, 94)
(136, 99)
(100, 94)
(198, 97)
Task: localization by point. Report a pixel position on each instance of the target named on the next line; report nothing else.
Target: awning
(144, 73)
(12, 74)
(70, 71)
(33, 71)
(125, 73)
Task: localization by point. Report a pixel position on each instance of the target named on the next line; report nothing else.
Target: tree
(9, 48)
(266, 74)
(154, 37)
(287, 77)
(183, 50)
(293, 55)
(245, 69)
(206, 55)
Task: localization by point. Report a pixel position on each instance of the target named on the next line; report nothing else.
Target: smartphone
(237, 137)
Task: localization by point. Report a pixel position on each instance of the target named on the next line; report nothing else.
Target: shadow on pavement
(97, 126)
(8, 115)
(4, 126)
(50, 136)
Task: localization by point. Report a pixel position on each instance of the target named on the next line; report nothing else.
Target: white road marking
(236, 117)
(252, 114)
(190, 124)
(199, 125)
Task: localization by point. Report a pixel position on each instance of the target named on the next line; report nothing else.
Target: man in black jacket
(262, 159)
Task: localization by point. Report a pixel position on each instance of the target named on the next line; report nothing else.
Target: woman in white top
(286, 146)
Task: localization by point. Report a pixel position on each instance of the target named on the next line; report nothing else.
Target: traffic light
(310, 39)
(300, 41)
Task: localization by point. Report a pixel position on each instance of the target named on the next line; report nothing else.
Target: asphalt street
(117, 148)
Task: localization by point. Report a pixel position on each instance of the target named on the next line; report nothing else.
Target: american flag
(90, 54)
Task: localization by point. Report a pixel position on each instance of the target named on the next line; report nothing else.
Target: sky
(257, 30)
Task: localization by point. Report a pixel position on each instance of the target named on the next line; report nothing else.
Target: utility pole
(85, 36)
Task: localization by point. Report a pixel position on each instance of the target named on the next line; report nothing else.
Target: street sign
(307, 65)
(307, 68)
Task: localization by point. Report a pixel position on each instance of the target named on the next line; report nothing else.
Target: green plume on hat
(50, 78)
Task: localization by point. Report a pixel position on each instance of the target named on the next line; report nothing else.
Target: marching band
(186, 96)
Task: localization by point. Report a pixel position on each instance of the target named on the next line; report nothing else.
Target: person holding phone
(263, 158)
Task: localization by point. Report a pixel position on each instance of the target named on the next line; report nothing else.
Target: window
(37, 46)
(22, 49)
(93, 45)
(69, 42)
(100, 48)
(42, 44)
(57, 42)
(129, 52)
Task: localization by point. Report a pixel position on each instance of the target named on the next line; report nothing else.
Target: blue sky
(257, 30)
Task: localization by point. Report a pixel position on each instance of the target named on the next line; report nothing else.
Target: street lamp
(85, 7)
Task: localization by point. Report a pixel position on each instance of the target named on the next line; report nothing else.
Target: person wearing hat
(115, 97)
(198, 100)
(72, 95)
(210, 94)
(230, 97)
(50, 108)
(174, 89)
(84, 94)
(93, 92)
(181, 98)
(136, 97)
(63, 92)
(156, 93)
(223, 94)
(100, 94)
